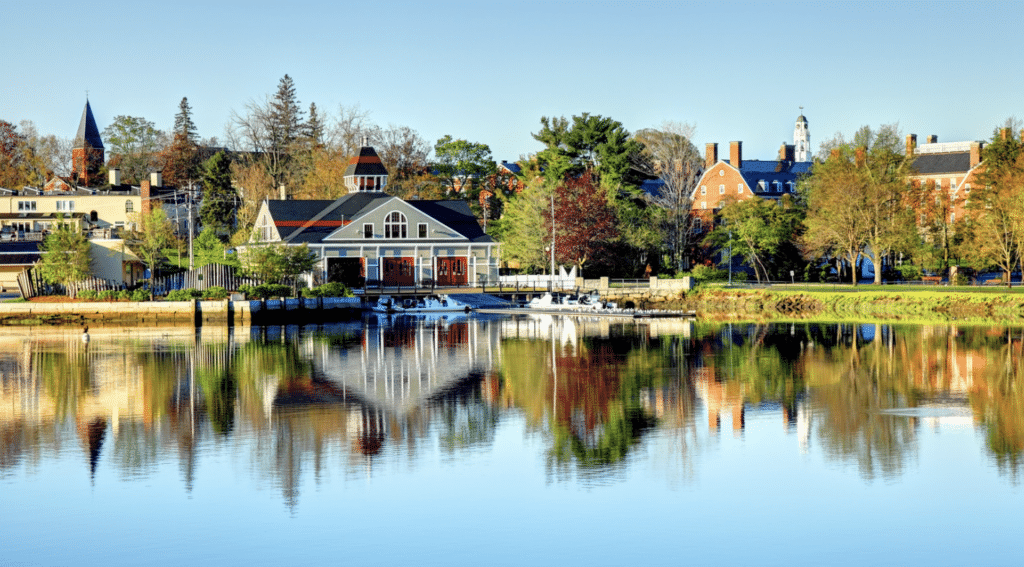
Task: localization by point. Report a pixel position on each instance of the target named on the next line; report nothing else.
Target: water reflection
(301, 403)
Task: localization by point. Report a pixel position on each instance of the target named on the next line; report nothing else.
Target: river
(501, 440)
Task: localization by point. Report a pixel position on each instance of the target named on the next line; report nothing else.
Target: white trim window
(367, 230)
(739, 189)
(422, 229)
(721, 189)
(395, 225)
(26, 205)
(703, 189)
(65, 206)
(129, 206)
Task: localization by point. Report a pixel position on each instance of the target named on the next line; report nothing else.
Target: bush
(215, 292)
(265, 291)
(87, 295)
(140, 294)
(331, 289)
(910, 272)
(702, 274)
(184, 294)
(107, 295)
(123, 295)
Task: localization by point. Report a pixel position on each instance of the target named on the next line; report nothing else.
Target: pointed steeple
(87, 154)
(88, 133)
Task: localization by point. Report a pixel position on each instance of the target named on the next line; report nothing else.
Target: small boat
(427, 304)
(573, 302)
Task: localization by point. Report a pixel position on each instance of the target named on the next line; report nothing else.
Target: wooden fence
(32, 284)
(210, 275)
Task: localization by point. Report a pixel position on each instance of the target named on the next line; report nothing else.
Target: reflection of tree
(467, 420)
(591, 397)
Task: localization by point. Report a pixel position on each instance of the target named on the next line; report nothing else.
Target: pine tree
(218, 208)
(181, 161)
(183, 124)
(313, 130)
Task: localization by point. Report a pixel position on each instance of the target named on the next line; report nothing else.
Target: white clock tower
(801, 140)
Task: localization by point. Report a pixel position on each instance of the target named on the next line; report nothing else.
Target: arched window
(129, 207)
(395, 225)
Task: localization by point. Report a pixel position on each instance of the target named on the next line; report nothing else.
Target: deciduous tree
(670, 156)
(459, 164)
(65, 257)
(151, 234)
(996, 208)
(133, 143)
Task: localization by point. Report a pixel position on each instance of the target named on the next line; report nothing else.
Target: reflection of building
(399, 368)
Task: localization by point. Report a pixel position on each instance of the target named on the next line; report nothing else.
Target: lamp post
(730, 256)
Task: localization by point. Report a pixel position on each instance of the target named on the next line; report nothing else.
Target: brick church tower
(87, 155)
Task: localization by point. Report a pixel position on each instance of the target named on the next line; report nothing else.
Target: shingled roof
(771, 172)
(88, 133)
(930, 164)
(366, 163)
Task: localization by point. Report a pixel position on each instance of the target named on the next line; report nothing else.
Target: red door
(451, 271)
(399, 271)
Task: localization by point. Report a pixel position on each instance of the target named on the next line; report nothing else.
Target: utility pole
(552, 238)
(191, 258)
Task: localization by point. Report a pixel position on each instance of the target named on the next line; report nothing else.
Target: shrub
(264, 291)
(910, 272)
(123, 295)
(140, 294)
(107, 295)
(702, 274)
(331, 289)
(184, 294)
(87, 295)
(215, 292)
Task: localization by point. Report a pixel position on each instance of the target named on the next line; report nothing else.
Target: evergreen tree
(181, 162)
(218, 208)
(313, 130)
(183, 124)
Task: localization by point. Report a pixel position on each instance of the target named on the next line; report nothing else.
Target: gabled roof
(931, 164)
(455, 214)
(366, 163)
(88, 133)
(312, 221)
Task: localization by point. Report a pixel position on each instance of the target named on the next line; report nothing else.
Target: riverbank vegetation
(865, 303)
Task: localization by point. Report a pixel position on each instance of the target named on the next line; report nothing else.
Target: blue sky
(488, 72)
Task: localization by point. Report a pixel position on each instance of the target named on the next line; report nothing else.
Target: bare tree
(670, 156)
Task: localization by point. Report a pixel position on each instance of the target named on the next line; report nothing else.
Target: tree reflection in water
(303, 401)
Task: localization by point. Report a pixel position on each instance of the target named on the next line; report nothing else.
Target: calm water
(513, 441)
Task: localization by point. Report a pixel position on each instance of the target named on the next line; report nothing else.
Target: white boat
(426, 304)
(574, 302)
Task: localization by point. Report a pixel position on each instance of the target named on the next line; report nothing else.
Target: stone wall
(656, 292)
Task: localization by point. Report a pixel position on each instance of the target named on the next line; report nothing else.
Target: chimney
(861, 154)
(115, 176)
(144, 193)
(975, 153)
(1004, 134)
(911, 144)
(284, 192)
(155, 179)
(736, 154)
(933, 139)
(782, 152)
(1022, 135)
(710, 155)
